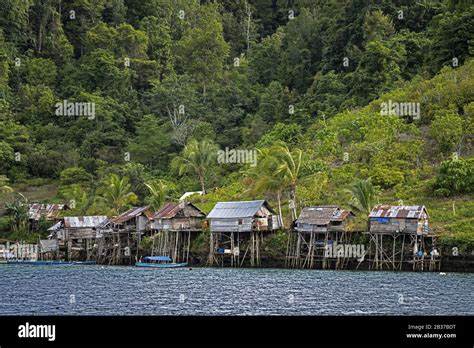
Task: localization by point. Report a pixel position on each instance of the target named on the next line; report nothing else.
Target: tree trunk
(203, 188)
(279, 209)
(293, 199)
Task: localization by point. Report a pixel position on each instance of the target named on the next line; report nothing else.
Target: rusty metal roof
(170, 210)
(49, 211)
(243, 209)
(399, 211)
(132, 213)
(83, 221)
(323, 214)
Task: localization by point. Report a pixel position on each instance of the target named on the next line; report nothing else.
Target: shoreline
(448, 264)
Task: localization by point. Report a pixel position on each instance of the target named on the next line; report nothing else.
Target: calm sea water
(98, 290)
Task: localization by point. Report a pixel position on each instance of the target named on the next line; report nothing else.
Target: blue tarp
(382, 220)
(157, 258)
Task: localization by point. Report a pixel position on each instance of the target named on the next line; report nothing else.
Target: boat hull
(161, 265)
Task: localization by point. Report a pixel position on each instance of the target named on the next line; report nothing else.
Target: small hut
(183, 216)
(173, 228)
(76, 235)
(135, 219)
(323, 218)
(120, 236)
(399, 219)
(396, 229)
(317, 229)
(233, 223)
(48, 212)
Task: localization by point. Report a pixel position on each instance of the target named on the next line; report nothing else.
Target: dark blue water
(97, 290)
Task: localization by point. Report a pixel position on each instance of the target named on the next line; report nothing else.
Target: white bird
(442, 273)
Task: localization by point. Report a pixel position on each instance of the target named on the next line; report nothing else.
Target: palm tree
(289, 171)
(3, 184)
(79, 200)
(158, 190)
(364, 195)
(116, 194)
(196, 158)
(18, 211)
(264, 178)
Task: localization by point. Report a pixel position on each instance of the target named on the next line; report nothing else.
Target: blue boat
(159, 262)
(49, 263)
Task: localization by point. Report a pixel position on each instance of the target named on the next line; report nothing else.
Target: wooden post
(393, 252)
(189, 246)
(211, 249)
(401, 256)
(298, 250)
(252, 248)
(232, 249)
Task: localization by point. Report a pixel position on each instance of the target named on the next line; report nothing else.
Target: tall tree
(196, 158)
(364, 196)
(157, 196)
(116, 194)
(289, 169)
(18, 212)
(264, 179)
(202, 50)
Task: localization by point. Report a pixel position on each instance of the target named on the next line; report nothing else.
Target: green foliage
(152, 145)
(18, 213)
(3, 184)
(196, 159)
(276, 244)
(290, 134)
(305, 91)
(455, 176)
(201, 244)
(364, 196)
(115, 194)
(41, 71)
(78, 199)
(74, 175)
(447, 131)
(202, 49)
(157, 195)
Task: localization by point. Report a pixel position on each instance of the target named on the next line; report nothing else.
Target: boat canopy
(157, 258)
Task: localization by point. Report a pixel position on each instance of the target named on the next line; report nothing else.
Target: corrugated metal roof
(170, 210)
(323, 214)
(83, 221)
(49, 211)
(226, 210)
(132, 213)
(56, 226)
(104, 224)
(398, 211)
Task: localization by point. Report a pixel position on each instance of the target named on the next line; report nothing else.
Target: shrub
(455, 176)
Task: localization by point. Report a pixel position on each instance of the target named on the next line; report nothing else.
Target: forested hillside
(107, 104)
